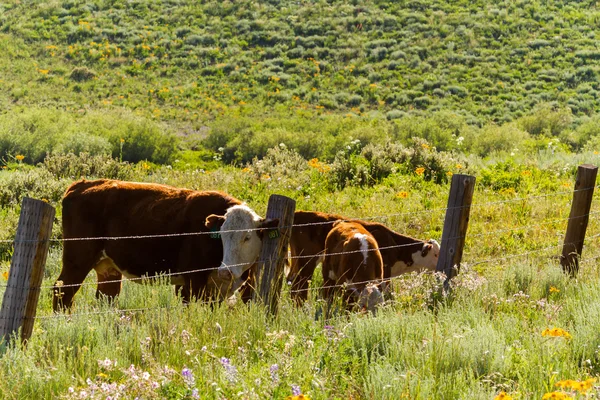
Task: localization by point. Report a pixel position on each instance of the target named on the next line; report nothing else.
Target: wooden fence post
(455, 225)
(26, 269)
(273, 255)
(578, 218)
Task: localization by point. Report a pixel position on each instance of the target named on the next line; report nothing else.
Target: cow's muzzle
(224, 273)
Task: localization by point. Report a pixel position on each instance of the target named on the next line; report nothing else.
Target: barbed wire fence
(576, 217)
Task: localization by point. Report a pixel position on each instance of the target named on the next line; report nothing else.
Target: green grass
(486, 337)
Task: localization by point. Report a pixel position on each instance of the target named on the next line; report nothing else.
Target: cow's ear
(337, 222)
(267, 225)
(426, 249)
(214, 222)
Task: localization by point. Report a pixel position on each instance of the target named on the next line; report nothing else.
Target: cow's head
(427, 258)
(369, 297)
(241, 233)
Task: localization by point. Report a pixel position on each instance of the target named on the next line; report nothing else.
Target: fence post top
(34, 201)
(281, 197)
(588, 166)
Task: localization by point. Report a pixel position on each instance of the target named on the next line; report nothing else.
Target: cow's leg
(78, 260)
(301, 279)
(109, 279)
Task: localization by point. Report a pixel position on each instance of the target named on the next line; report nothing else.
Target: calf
(107, 208)
(241, 233)
(308, 239)
(352, 259)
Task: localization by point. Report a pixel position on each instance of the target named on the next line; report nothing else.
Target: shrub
(85, 165)
(546, 121)
(494, 138)
(82, 74)
(133, 138)
(441, 129)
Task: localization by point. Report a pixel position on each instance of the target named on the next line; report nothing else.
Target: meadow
(365, 109)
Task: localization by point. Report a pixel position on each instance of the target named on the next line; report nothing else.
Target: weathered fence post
(578, 218)
(269, 271)
(26, 269)
(455, 225)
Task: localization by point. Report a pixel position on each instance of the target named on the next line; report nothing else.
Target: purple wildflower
(195, 394)
(188, 377)
(296, 390)
(274, 370)
(230, 370)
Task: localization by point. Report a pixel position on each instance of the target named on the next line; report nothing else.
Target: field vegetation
(360, 108)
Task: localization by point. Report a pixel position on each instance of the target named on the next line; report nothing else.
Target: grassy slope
(186, 61)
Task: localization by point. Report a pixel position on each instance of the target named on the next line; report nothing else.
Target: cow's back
(351, 254)
(109, 208)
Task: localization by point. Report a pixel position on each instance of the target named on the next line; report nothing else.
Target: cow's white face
(241, 235)
(427, 258)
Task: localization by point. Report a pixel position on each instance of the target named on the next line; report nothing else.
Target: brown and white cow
(110, 208)
(308, 239)
(241, 232)
(352, 259)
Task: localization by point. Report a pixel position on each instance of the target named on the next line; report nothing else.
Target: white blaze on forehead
(364, 245)
(241, 246)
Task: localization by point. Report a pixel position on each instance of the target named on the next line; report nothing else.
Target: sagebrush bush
(441, 129)
(494, 138)
(546, 120)
(85, 165)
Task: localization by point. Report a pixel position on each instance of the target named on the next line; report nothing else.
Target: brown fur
(351, 269)
(114, 208)
(310, 240)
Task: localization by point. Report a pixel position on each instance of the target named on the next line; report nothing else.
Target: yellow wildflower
(458, 166)
(266, 177)
(5, 275)
(554, 290)
(420, 171)
(580, 386)
(402, 195)
(425, 146)
(503, 396)
(246, 170)
(526, 173)
(299, 397)
(556, 332)
(43, 71)
(556, 396)
(449, 174)
(20, 157)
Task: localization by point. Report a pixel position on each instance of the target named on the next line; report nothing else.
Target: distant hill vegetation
(195, 64)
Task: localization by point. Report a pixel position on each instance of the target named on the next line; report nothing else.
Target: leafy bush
(35, 183)
(82, 74)
(441, 129)
(493, 138)
(84, 165)
(546, 121)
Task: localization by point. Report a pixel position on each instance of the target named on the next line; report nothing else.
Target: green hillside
(246, 67)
